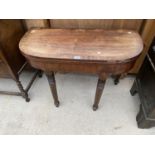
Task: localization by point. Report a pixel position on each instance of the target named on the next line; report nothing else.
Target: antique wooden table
(96, 51)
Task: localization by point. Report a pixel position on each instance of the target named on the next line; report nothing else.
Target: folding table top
(82, 44)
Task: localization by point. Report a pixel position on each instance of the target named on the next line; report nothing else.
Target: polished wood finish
(52, 83)
(55, 50)
(99, 91)
(82, 44)
(146, 28)
(34, 23)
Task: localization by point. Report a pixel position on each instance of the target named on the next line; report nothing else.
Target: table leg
(52, 83)
(116, 79)
(133, 89)
(23, 92)
(40, 73)
(99, 90)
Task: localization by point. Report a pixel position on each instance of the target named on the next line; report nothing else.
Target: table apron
(81, 67)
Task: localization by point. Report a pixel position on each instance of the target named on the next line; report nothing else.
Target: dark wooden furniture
(145, 27)
(95, 51)
(10, 33)
(145, 86)
(11, 61)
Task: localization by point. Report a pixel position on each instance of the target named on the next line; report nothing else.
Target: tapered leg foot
(27, 99)
(40, 73)
(52, 83)
(133, 89)
(99, 90)
(142, 121)
(95, 107)
(57, 104)
(23, 92)
(116, 79)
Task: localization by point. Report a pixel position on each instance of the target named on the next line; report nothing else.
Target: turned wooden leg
(52, 83)
(99, 90)
(23, 92)
(133, 89)
(116, 79)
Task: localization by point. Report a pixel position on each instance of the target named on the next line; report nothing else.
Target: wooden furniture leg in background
(52, 83)
(40, 73)
(99, 90)
(24, 93)
(133, 89)
(116, 79)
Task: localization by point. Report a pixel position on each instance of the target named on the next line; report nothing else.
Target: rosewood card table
(96, 51)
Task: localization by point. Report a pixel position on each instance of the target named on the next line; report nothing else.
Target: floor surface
(116, 114)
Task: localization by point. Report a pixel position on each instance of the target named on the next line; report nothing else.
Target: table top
(82, 44)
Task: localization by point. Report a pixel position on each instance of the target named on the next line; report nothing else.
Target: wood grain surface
(11, 31)
(132, 24)
(147, 35)
(82, 44)
(35, 23)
